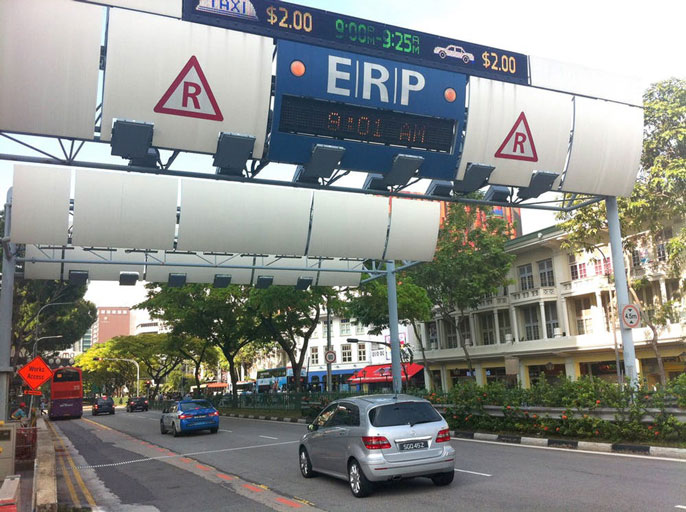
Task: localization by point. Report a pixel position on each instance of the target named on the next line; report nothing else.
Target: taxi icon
(457, 52)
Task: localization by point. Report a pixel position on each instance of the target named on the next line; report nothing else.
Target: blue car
(189, 415)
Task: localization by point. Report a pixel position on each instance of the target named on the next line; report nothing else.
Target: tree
(369, 305)
(470, 263)
(221, 317)
(157, 353)
(197, 351)
(289, 315)
(657, 203)
(99, 375)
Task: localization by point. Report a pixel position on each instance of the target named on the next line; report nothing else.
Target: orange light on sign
(297, 68)
(450, 95)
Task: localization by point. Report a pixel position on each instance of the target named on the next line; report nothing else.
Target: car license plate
(412, 445)
(201, 416)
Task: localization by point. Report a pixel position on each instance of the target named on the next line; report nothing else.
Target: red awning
(217, 385)
(383, 373)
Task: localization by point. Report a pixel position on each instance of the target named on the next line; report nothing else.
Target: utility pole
(9, 263)
(328, 345)
(393, 327)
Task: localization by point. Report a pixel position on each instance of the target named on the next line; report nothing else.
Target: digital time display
(321, 118)
(283, 20)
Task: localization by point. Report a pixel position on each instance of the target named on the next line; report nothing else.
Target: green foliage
(641, 415)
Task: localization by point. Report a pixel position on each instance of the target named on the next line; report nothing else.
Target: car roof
(369, 401)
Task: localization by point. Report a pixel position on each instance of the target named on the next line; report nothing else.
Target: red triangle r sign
(190, 95)
(519, 144)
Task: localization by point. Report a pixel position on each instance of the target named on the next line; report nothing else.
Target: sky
(639, 39)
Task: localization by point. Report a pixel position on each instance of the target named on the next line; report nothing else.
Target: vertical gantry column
(393, 326)
(9, 263)
(621, 287)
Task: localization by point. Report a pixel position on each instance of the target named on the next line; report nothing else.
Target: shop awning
(383, 373)
(212, 385)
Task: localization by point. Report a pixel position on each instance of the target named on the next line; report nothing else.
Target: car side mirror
(312, 427)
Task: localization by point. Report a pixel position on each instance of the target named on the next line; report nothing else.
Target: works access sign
(35, 373)
(192, 82)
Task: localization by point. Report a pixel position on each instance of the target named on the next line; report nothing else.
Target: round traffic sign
(630, 316)
(330, 356)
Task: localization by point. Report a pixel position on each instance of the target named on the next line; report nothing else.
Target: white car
(454, 51)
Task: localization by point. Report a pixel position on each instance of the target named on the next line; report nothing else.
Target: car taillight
(146, 401)
(215, 413)
(95, 406)
(443, 436)
(375, 442)
(184, 416)
(131, 403)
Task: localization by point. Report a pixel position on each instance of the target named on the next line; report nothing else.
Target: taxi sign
(35, 372)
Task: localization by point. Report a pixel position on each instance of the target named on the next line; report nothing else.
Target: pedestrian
(43, 406)
(19, 412)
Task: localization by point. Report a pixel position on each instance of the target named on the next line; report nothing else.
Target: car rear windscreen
(404, 413)
(191, 406)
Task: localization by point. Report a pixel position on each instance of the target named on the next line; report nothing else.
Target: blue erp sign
(374, 108)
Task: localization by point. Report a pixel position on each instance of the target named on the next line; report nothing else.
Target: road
(122, 462)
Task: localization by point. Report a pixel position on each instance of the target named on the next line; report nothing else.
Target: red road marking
(204, 468)
(224, 477)
(290, 503)
(253, 488)
(186, 460)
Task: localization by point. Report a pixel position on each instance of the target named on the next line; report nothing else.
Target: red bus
(66, 393)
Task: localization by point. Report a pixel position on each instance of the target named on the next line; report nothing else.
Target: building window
(603, 267)
(578, 270)
(545, 271)
(504, 324)
(661, 252)
(361, 352)
(346, 353)
(465, 331)
(450, 334)
(550, 318)
(584, 319)
(531, 323)
(314, 355)
(487, 329)
(636, 258)
(360, 329)
(526, 277)
(345, 326)
(432, 329)
(325, 329)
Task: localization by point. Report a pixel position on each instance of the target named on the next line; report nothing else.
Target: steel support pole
(393, 327)
(328, 346)
(621, 288)
(9, 262)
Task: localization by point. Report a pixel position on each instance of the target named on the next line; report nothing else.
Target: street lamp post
(138, 369)
(35, 343)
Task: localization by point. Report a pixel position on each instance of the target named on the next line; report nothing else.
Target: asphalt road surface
(123, 463)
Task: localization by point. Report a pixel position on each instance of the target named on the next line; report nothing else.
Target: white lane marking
(224, 430)
(297, 424)
(682, 507)
(205, 452)
(472, 472)
(568, 450)
(269, 437)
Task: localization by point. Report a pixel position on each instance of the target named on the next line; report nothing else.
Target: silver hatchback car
(373, 438)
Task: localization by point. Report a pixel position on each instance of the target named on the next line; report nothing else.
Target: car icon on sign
(454, 51)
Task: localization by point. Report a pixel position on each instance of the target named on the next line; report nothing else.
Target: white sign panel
(192, 81)
(164, 7)
(517, 130)
(49, 58)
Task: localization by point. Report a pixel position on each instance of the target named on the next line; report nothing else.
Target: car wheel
(442, 479)
(441, 54)
(112, 411)
(306, 464)
(214, 430)
(175, 432)
(359, 485)
(465, 59)
(162, 429)
(94, 414)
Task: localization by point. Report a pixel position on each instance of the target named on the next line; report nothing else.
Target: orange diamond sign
(35, 372)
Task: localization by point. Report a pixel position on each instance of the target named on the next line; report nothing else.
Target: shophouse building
(558, 318)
